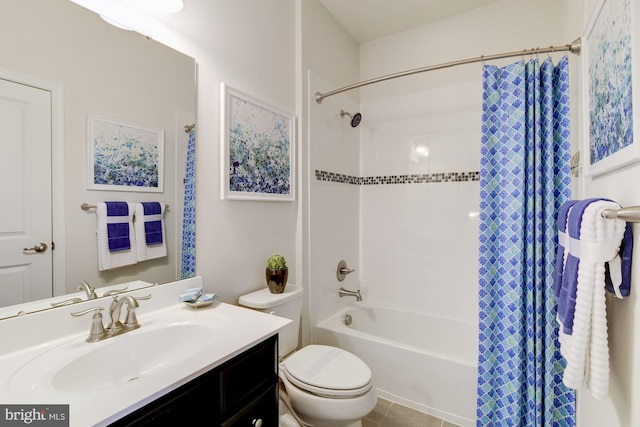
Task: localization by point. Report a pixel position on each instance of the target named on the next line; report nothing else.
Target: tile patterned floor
(388, 414)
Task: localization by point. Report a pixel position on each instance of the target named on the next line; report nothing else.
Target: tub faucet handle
(343, 270)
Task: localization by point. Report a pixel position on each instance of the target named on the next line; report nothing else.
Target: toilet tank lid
(265, 299)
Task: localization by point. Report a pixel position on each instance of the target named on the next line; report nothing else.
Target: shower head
(355, 119)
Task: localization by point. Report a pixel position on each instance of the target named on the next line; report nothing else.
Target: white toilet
(326, 386)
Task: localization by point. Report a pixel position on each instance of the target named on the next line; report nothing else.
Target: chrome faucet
(98, 332)
(84, 286)
(131, 322)
(347, 293)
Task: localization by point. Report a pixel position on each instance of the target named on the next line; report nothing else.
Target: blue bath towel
(149, 231)
(153, 228)
(563, 243)
(569, 285)
(118, 232)
(617, 271)
(625, 252)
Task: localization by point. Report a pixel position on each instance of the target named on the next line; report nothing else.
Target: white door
(26, 265)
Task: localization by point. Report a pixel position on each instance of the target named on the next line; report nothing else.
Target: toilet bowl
(328, 386)
(325, 385)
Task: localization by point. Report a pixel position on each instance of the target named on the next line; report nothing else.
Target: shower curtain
(189, 216)
(524, 178)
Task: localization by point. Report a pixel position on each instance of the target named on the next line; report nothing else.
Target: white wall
(113, 73)
(621, 408)
(329, 59)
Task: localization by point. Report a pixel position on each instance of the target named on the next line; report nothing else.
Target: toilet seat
(327, 371)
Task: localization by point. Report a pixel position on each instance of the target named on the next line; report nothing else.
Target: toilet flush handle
(271, 312)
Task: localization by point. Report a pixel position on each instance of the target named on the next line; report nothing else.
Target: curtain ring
(550, 53)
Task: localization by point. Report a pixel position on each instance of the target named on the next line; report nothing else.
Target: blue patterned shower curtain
(524, 178)
(189, 217)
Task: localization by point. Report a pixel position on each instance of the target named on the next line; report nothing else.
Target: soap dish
(198, 303)
(203, 300)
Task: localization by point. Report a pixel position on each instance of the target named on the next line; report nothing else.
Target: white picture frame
(124, 156)
(257, 149)
(610, 113)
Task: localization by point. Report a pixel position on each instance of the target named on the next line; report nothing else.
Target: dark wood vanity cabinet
(241, 392)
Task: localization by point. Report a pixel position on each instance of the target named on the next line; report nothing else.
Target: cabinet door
(194, 403)
(262, 412)
(248, 376)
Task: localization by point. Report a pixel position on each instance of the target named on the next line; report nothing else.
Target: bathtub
(425, 362)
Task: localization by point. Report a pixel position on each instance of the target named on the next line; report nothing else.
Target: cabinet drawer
(249, 375)
(263, 411)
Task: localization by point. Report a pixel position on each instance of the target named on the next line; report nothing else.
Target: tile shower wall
(419, 163)
(334, 206)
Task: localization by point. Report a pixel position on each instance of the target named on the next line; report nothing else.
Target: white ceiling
(368, 20)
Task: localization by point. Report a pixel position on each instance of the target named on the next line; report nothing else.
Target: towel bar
(87, 206)
(630, 214)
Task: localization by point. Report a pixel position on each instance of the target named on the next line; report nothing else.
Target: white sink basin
(126, 360)
(88, 367)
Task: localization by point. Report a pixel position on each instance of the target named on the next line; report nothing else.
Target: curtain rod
(573, 47)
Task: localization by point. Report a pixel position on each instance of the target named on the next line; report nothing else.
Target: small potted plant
(276, 274)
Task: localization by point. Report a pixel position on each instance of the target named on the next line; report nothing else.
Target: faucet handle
(97, 331)
(114, 292)
(66, 302)
(343, 270)
(131, 320)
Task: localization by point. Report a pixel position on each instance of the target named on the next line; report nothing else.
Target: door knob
(40, 247)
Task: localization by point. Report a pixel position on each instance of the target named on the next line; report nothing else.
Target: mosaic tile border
(398, 179)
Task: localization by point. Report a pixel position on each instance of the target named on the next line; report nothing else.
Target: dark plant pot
(276, 279)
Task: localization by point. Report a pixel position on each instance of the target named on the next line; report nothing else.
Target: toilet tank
(288, 304)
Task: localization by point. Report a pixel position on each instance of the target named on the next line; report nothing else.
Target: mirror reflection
(60, 66)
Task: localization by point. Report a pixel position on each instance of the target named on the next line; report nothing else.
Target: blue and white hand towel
(563, 246)
(116, 239)
(150, 235)
(592, 243)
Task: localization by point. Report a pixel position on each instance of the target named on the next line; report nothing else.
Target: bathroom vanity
(240, 392)
(215, 365)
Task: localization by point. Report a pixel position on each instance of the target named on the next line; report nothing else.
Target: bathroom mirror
(117, 74)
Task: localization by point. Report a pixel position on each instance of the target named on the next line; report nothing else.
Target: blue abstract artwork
(125, 156)
(259, 149)
(610, 74)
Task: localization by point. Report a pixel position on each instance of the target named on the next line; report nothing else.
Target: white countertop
(26, 370)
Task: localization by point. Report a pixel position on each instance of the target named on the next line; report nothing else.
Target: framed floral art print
(610, 113)
(257, 149)
(124, 156)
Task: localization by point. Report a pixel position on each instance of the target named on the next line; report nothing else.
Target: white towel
(146, 252)
(587, 353)
(108, 260)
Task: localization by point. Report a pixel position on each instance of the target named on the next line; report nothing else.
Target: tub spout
(347, 293)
